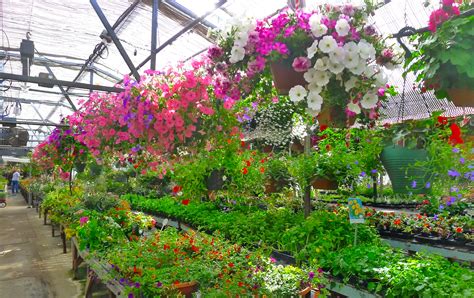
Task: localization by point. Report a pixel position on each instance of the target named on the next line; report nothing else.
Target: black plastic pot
(283, 257)
(428, 239)
(215, 180)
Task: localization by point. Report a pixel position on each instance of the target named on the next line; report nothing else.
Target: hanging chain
(401, 109)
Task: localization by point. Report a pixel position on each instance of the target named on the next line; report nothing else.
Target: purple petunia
(413, 184)
(311, 275)
(453, 173)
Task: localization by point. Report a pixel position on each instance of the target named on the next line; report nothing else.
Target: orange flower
(262, 170)
(397, 222)
(245, 171)
(459, 230)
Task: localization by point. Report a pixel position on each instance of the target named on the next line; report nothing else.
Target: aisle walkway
(31, 261)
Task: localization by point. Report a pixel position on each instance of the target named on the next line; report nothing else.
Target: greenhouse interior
(225, 148)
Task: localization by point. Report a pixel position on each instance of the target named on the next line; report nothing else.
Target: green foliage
(444, 58)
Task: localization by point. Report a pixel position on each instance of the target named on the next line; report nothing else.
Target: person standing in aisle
(15, 182)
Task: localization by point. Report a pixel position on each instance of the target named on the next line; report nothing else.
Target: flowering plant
(442, 59)
(342, 58)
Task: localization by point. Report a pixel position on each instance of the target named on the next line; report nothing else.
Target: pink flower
(83, 220)
(281, 48)
(301, 64)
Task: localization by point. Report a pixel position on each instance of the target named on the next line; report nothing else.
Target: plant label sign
(356, 212)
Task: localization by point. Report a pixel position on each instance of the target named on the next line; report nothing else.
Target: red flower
(245, 171)
(426, 202)
(241, 284)
(177, 188)
(442, 120)
(231, 265)
(247, 163)
(166, 246)
(176, 282)
(185, 202)
(455, 137)
(195, 249)
(323, 127)
(368, 214)
(262, 170)
(262, 160)
(459, 230)
(397, 222)
(242, 143)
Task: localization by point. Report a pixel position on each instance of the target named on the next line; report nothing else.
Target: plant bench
(96, 272)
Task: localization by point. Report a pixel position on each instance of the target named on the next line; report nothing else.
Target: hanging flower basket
(334, 117)
(215, 180)
(405, 178)
(324, 183)
(285, 77)
(462, 97)
(187, 288)
(306, 293)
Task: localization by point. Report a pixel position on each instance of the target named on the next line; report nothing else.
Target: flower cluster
(448, 9)
(342, 58)
(151, 116)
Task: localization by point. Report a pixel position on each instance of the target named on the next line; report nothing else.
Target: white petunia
(336, 68)
(366, 50)
(381, 77)
(327, 44)
(351, 60)
(342, 27)
(354, 107)
(314, 87)
(312, 112)
(338, 55)
(241, 39)
(321, 78)
(309, 75)
(322, 63)
(313, 49)
(316, 27)
(351, 48)
(351, 83)
(369, 100)
(314, 100)
(359, 69)
(236, 54)
(297, 93)
(371, 70)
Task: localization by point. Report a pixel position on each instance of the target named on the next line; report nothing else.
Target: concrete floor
(32, 263)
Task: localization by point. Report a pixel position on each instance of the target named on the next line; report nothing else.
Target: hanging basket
(324, 183)
(285, 77)
(399, 161)
(462, 97)
(334, 117)
(187, 288)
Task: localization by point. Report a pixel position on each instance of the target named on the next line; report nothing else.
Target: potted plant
(339, 56)
(443, 57)
(277, 174)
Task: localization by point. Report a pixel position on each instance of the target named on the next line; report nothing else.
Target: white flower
(317, 28)
(322, 63)
(354, 107)
(351, 83)
(313, 49)
(314, 101)
(351, 60)
(335, 68)
(314, 87)
(309, 75)
(241, 39)
(360, 68)
(381, 77)
(327, 44)
(236, 54)
(297, 93)
(321, 78)
(312, 112)
(342, 27)
(366, 50)
(338, 55)
(369, 100)
(351, 48)
(371, 70)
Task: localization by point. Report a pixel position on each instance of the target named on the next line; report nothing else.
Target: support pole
(115, 39)
(307, 190)
(154, 31)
